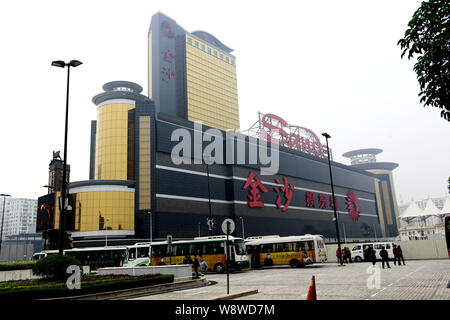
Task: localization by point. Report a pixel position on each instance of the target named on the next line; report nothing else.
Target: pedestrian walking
(395, 252)
(344, 255)
(400, 255)
(196, 265)
(203, 265)
(339, 256)
(348, 254)
(372, 256)
(384, 257)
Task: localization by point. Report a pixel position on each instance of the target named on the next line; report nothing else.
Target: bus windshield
(239, 246)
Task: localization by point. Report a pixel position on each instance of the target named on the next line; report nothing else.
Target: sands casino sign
(275, 129)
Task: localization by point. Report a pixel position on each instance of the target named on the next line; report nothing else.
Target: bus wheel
(294, 263)
(219, 268)
(358, 259)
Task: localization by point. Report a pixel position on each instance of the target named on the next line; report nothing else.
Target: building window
(209, 50)
(196, 44)
(189, 40)
(215, 53)
(221, 56)
(203, 47)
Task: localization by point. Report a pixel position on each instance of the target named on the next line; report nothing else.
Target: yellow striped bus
(296, 251)
(210, 249)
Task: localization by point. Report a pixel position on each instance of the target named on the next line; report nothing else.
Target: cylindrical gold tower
(111, 150)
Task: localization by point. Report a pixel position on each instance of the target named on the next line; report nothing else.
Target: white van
(358, 250)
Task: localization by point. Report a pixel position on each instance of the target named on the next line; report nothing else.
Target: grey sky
(329, 66)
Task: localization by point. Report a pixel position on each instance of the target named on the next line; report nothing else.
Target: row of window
(204, 118)
(210, 51)
(222, 125)
(286, 247)
(208, 63)
(226, 88)
(229, 75)
(217, 103)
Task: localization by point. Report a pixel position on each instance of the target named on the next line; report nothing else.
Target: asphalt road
(418, 280)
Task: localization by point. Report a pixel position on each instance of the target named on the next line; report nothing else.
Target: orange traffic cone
(312, 290)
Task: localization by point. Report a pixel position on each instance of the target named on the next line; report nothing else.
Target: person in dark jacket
(395, 252)
(196, 265)
(348, 253)
(372, 256)
(400, 255)
(384, 257)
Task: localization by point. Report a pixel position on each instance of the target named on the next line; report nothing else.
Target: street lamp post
(3, 219)
(210, 220)
(106, 231)
(151, 240)
(242, 223)
(327, 136)
(62, 209)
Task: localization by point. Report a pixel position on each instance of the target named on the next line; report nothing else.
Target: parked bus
(359, 251)
(296, 251)
(210, 249)
(95, 257)
(447, 233)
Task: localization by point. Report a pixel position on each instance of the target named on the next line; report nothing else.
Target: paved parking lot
(418, 280)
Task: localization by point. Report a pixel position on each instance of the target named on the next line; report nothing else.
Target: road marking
(395, 282)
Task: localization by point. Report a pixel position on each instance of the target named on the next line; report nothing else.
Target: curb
(236, 295)
(138, 291)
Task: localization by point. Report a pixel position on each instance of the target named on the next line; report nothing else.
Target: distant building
(20, 216)
(418, 223)
(388, 213)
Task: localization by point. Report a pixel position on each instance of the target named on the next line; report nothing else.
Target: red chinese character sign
(168, 55)
(167, 29)
(353, 205)
(288, 192)
(256, 187)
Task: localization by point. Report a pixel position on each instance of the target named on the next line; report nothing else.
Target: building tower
(365, 159)
(191, 75)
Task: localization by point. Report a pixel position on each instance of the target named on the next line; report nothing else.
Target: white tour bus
(359, 253)
(210, 249)
(95, 257)
(296, 251)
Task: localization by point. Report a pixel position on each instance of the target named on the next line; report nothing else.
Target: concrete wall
(412, 249)
(17, 275)
(180, 271)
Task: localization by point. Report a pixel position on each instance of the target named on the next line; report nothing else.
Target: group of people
(369, 254)
(197, 263)
(345, 256)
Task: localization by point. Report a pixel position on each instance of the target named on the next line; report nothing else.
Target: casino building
(137, 142)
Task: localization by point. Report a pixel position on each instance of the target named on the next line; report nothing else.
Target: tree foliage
(428, 37)
(54, 266)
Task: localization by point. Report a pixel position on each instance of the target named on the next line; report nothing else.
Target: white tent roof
(430, 209)
(413, 211)
(446, 209)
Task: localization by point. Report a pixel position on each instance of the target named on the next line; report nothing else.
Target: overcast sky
(329, 66)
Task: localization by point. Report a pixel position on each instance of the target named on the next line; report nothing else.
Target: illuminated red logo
(277, 130)
(168, 29)
(353, 205)
(255, 186)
